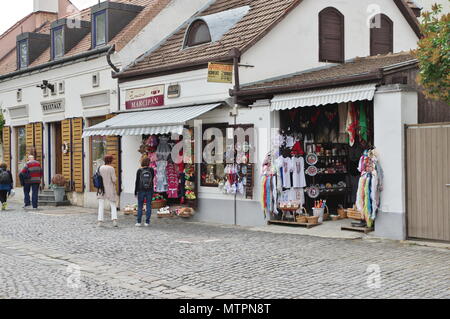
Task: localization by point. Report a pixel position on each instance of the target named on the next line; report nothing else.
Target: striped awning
(324, 96)
(158, 121)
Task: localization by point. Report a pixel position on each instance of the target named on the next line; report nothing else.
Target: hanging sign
(144, 97)
(220, 72)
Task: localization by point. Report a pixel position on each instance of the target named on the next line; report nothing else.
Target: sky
(13, 11)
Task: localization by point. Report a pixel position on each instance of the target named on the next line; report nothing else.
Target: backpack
(5, 178)
(24, 175)
(97, 180)
(146, 179)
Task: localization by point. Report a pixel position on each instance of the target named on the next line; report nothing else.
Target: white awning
(159, 121)
(324, 96)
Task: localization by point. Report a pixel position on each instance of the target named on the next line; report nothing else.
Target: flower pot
(59, 192)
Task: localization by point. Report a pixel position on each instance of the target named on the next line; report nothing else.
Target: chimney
(45, 5)
(415, 7)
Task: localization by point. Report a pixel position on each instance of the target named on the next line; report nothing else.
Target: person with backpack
(31, 179)
(107, 190)
(143, 190)
(6, 184)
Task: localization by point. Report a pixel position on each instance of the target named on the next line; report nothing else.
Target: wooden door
(428, 181)
(77, 155)
(66, 138)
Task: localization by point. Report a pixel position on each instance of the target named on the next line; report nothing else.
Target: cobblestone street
(43, 252)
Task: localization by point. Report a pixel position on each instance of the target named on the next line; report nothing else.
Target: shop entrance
(428, 181)
(58, 147)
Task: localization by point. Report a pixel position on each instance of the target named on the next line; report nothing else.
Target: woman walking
(108, 192)
(6, 184)
(143, 190)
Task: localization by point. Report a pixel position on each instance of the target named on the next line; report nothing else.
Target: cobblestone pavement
(42, 253)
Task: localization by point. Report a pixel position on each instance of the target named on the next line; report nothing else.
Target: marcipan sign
(144, 97)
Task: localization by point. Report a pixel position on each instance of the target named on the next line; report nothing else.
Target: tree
(433, 54)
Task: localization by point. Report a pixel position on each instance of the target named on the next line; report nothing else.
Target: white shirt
(287, 169)
(298, 172)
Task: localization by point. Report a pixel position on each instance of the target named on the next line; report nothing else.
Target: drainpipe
(236, 54)
(108, 58)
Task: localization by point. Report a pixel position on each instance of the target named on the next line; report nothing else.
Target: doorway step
(47, 198)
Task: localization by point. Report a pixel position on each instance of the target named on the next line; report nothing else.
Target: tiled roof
(151, 9)
(263, 15)
(352, 69)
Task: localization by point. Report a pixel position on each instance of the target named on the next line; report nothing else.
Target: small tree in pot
(59, 187)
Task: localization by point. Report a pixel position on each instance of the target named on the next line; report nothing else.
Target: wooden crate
(354, 214)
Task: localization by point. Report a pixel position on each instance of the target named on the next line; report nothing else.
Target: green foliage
(433, 54)
(2, 123)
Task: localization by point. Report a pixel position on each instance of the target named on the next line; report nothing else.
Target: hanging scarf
(362, 122)
(352, 124)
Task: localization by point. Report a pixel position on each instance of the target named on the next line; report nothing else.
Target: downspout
(108, 58)
(236, 54)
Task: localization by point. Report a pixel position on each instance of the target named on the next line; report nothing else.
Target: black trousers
(3, 196)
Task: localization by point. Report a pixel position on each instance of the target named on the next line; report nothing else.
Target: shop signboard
(220, 72)
(144, 97)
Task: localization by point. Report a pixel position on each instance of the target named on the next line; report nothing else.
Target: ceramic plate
(311, 171)
(311, 159)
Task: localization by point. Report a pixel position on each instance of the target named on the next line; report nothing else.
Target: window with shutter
(66, 132)
(381, 35)
(77, 155)
(38, 142)
(113, 148)
(331, 36)
(7, 146)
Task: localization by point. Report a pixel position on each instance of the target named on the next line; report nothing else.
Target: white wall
(194, 88)
(394, 106)
(293, 45)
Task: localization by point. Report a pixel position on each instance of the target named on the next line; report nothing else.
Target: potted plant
(59, 187)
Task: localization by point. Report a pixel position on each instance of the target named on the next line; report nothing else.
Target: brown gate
(428, 181)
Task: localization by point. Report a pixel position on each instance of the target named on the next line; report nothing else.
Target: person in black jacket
(6, 184)
(143, 190)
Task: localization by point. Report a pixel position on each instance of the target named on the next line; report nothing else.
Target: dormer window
(58, 42)
(99, 35)
(66, 34)
(23, 54)
(198, 33)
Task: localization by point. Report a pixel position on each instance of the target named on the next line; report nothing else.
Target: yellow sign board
(220, 72)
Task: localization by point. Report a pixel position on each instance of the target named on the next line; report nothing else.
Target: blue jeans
(141, 197)
(34, 194)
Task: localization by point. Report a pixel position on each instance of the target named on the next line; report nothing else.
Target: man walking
(31, 177)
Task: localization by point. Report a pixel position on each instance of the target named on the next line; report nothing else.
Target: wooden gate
(428, 181)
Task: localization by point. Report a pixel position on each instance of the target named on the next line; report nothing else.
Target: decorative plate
(311, 171)
(313, 192)
(312, 159)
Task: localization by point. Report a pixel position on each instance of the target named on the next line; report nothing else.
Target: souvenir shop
(323, 166)
(174, 183)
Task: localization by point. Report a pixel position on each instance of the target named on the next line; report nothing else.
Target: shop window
(97, 149)
(22, 60)
(21, 148)
(214, 171)
(99, 36)
(331, 36)
(381, 35)
(57, 42)
(197, 34)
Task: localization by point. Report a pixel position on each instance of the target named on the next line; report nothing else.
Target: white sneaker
(115, 223)
(99, 224)
(138, 225)
(146, 225)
